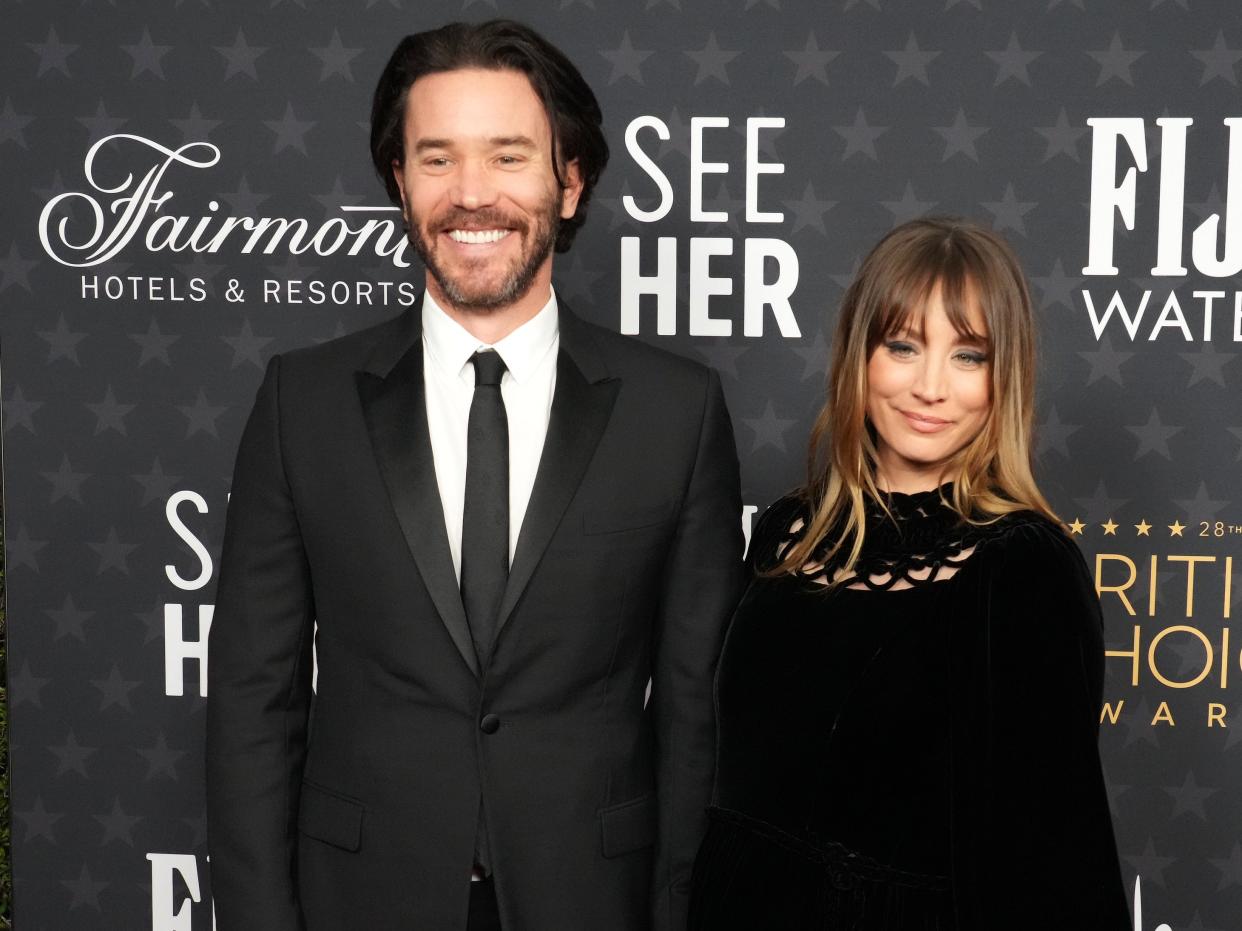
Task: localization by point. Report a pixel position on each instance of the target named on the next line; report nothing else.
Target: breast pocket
(619, 518)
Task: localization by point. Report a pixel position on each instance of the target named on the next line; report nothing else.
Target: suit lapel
(581, 406)
(395, 410)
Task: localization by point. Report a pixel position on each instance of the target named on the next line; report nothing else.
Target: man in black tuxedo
(512, 537)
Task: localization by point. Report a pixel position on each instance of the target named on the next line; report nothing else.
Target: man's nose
(473, 187)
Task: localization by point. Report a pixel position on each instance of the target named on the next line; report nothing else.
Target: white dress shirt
(529, 353)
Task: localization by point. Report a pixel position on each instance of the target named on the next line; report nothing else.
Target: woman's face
(928, 396)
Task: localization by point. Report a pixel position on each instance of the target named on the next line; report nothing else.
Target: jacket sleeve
(259, 681)
(702, 582)
(1033, 836)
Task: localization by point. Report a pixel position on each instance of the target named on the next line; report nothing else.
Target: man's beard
(467, 294)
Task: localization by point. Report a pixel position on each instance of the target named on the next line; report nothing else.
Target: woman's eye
(971, 358)
(899, 348)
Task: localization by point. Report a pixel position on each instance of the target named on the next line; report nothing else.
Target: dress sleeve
(1033, 844)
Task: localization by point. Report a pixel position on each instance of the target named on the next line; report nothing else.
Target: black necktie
(485, 519)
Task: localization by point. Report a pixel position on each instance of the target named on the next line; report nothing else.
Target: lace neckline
(919, 540)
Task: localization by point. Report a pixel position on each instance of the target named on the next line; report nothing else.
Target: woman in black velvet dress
(909, 694)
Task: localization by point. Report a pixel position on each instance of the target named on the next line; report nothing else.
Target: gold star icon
(1176, 528)
(1142, 528)
(1110, 529)
(1076, 527)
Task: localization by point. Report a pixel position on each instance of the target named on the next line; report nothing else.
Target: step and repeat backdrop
(187, 191)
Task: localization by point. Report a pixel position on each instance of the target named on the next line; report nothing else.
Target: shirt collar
(451, 345)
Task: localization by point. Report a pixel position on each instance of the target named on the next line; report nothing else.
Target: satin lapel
(396, 417)
(580, 411)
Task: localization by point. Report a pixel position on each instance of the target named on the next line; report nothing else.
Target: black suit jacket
(355, 805)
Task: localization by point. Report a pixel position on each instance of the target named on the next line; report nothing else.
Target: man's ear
(571, 190)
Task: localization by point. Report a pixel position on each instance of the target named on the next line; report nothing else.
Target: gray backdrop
(130, 360)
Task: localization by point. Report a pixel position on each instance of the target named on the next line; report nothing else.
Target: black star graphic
(85, 890)
(118, 825)
(769, 429)
(1230, 868)
(809, 211)
(247, 347)
(53, 54)
(814, 357)
(290, 131)
(101, 125)
(161, 760)
(1008, 212)
(712, 61)
(244, 202)
(14, 270)
(152, 622)
(1062, 138)
(1219, 61)
(22, 551)
(62, 342)
(338, 197)
(960, 137)
(1202, 507)
(65, 482)
(1057, 287)
(154, 344)
(38, 821)
(577, 280)
(156, 485)
(626, 60)
(908, 207)
(1100, 507)
(1052, 434)
(109, 413)
(812, 61)
(195, 127)
(912, 61)
(1154, 436)
(1012, 62)
(69, 619)
(860, 136)
(72, 756)
(336, 58)
(1115, 61)
(240, 57)
(1149, 864)
(25, 686)
(1106, 362)
(12, 123)
(1207, 364)
(201, 416)
(115, 689)
(113, 553)
(18, 411)
(1188, 798)
(146, 55)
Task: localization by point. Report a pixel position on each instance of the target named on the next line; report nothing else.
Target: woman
(909, 694)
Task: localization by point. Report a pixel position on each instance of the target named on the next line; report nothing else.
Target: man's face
(478, 187)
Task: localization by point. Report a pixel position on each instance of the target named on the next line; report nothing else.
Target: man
(500, 526)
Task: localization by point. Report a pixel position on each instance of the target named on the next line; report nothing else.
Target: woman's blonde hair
(992, 473)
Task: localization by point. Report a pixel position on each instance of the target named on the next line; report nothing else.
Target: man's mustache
(483, 219)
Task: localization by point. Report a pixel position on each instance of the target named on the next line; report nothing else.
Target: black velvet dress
(914, 749)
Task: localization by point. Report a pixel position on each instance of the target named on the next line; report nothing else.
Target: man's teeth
(478, 236)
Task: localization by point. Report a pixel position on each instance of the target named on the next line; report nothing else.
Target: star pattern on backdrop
(712, 61)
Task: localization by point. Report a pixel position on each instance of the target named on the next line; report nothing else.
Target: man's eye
(509, 160)
(438, 161)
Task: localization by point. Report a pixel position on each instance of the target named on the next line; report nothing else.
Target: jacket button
(490, 724)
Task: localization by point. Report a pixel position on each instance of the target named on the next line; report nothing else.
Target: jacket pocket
(628, 826)
(615, 519)
(329, 817)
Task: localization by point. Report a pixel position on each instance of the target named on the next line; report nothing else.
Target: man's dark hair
(497, 44)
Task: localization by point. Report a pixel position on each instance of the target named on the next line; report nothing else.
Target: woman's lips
(925, 423)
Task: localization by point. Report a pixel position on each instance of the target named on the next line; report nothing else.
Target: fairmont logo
(127, 207)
